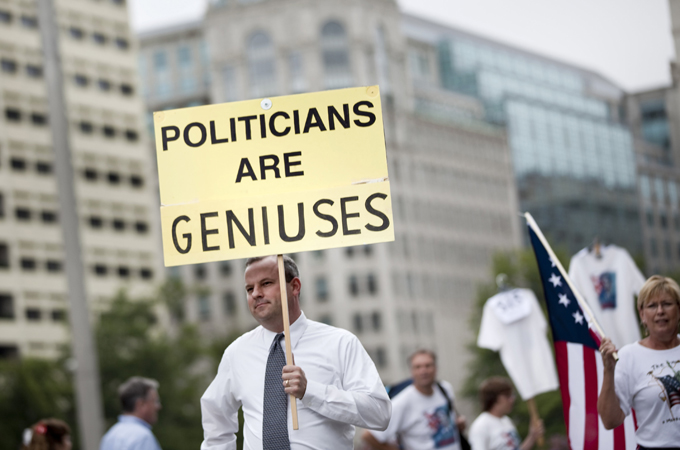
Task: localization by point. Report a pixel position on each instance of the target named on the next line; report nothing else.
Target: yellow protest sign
(272, 176)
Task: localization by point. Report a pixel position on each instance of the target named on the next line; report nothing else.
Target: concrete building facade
(114, 184)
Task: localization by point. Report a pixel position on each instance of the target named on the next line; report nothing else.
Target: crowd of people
(336, 387)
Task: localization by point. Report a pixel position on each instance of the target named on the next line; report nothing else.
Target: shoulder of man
(316, 329)
(447, 388)
(245, 339)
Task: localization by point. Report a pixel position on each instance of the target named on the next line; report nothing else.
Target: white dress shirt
(343, 390)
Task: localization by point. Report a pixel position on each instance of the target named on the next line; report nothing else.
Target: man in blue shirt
(140, 403)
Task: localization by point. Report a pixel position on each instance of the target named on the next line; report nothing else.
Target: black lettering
(274, 166)
(232, 127)
(331, 219)
(333, 113)
(358, 112)
(186, 236)
(272, 124)
(265, 225)
(232, 219)
(205, 232)
(166, 138)
(296, 121)
(301, 224)
(213, 135)
(343, 212)
(245, 169)
(263, 127)
(313, 114)
(287, 163)
(204, 135)
(247, 120)
(375, 212)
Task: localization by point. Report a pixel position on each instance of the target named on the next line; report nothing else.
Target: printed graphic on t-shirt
(667, 377)
(511, 440)
(440, 423)
(605, 286)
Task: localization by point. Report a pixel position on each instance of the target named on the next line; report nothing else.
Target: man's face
(148, 408)
(423, 370)
(506, 401)
(264, 291)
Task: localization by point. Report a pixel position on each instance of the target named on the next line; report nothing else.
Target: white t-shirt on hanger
(609, 285)
(513, 324)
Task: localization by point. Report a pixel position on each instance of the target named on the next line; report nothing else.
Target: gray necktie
(275, 407)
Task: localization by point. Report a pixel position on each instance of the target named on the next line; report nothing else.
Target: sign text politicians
(280, 175)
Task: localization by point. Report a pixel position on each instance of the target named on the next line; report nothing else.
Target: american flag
(672, 387)
(579, 364)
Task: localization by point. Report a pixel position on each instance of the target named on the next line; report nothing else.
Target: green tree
(522, 271)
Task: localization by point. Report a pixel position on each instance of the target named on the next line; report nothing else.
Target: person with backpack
(423, 415)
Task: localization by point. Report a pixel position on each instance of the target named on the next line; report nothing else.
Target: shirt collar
(128, 418)
(297, 329)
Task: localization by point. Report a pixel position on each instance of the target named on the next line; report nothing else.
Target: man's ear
(296, 284)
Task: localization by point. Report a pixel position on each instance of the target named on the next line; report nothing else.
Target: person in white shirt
(646, 378)
(423, 417)
(493, 429)
(334, 381)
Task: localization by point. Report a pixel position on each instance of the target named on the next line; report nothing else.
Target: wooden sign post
(272, 176)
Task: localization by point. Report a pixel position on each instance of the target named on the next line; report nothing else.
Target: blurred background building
(114, 185)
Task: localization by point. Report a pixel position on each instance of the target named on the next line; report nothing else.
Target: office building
(117, 206)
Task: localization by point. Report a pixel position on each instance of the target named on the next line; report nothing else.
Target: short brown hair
(491, 389)
(422, 351)
(289, 267)
(655, 285)
(47, 434)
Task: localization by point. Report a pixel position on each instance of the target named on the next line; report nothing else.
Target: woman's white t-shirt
(489, 432)
(648, 381)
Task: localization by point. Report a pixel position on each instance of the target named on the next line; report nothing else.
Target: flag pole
(535, 418)
(286, 334)
(580, 300)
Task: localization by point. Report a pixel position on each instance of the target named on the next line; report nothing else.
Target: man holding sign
(336, 385)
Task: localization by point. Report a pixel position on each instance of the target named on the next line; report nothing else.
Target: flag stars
(578, 317)
(552, 261)
(555, 280)
(564, 300)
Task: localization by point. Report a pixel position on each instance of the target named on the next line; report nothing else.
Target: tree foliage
(129, 342)
(522, 271)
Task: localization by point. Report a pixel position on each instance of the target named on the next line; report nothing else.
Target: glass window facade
(261, 65)
(655, 128)
(335, 56)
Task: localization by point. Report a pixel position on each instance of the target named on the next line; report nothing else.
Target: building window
(109, 131)
(296, 71)
(34, 71)
(335, 56)
(118, 224)
(90, 174)
(653, 248)
(225, 268)
(27, 264)
(81, 80)
(58, 315)
(100, 270)
(204, 308)
(6, 306)
(358, 323)
(146, 273)
(650, 218)
(327, 319)
(33, 314)
(48, 216)
(353, 285)
(136, 181)
(5, 16)
(9, 352)
(17, 164)
(52, 265)
(29, 21)
(380, 357)
(113, 177)
(261, 65)
(12, 114)
(184, 56)
(372, 284)
(86, 127)
(23, 214)
(4, 256)
(126, 89)
(123, 272)
(2, 205)
(104, 85)
(96, 222)
(122, 43)
(43, 167)
(99, 38)
(229, 300)
(76, 33)
(230, 84)
(141, 227)
(38, 119)
(376, 321)
(663, 220)
(321, 287)
(200, 272)
(131, 135)
(8, 66)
